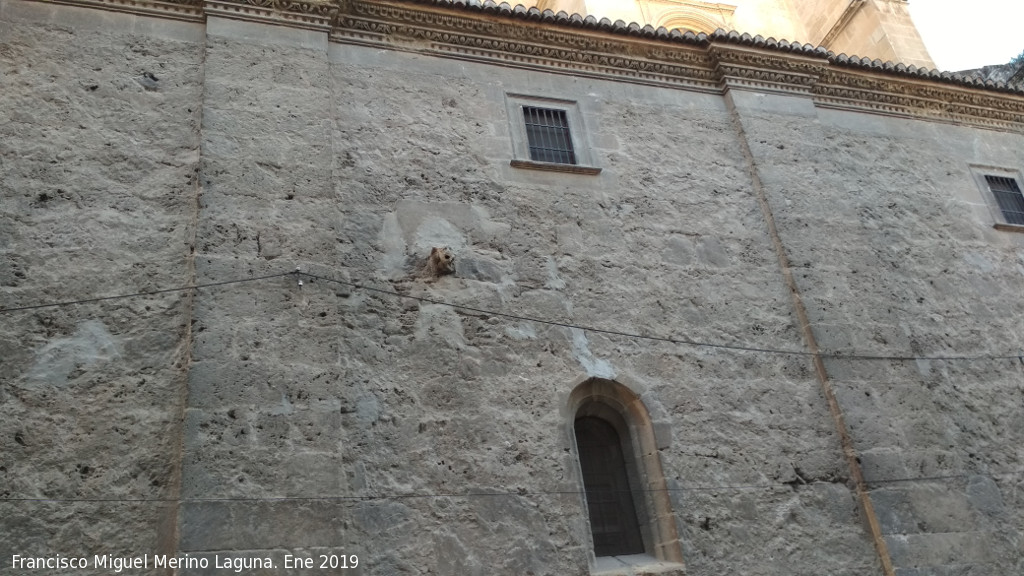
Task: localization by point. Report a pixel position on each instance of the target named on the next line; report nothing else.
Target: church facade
(879, 29)
(433, 287)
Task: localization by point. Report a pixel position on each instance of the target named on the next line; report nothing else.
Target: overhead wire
(791, 485)
(483, 311)
(147, 293)
(557, 323)
(679, 341)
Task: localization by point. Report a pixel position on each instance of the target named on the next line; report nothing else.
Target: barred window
(1008, 196)
(547, 132)
(612, 511)
(625, 494)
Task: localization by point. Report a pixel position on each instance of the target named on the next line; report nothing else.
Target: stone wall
(377, 420)
(99, 154)
(895, 251)
(371, 395)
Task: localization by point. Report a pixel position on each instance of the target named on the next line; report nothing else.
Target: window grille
(1008, 195)
(547, 132)
(613, 518)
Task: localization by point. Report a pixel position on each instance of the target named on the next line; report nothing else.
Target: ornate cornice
(311, 14)
(399, 26)
(857, 90)
(741, 68)
(188, 10)
(571, 44)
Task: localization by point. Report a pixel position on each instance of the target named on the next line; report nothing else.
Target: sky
(964, 35)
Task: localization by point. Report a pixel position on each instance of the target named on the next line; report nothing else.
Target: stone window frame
(979, 172)
(514, 104)
(625, 410)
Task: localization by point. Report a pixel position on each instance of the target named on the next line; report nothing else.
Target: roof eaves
(701, 39)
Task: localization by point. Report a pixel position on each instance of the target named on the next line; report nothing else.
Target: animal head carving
(441, 261)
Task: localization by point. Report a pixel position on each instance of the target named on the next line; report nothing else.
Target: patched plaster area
(58, 362)
(593, 365)
(414, 228)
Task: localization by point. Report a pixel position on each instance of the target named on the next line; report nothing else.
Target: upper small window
(1001, 189)
(1008, 197)
(548, 134)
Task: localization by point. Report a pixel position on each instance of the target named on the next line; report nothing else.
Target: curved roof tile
(731, 37)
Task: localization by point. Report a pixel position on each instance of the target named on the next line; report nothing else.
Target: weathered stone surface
(918, 271)
(427, 438)
(97, 176)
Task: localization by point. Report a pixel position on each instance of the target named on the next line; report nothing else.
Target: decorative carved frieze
(189, 10)
(742, 68)
(311, 14)
(530, 39)
(525, 45)
(767, 60)
(858, 90)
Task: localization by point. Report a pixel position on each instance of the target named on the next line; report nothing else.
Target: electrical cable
(390, 497)
(678, 341)
(149, 293)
